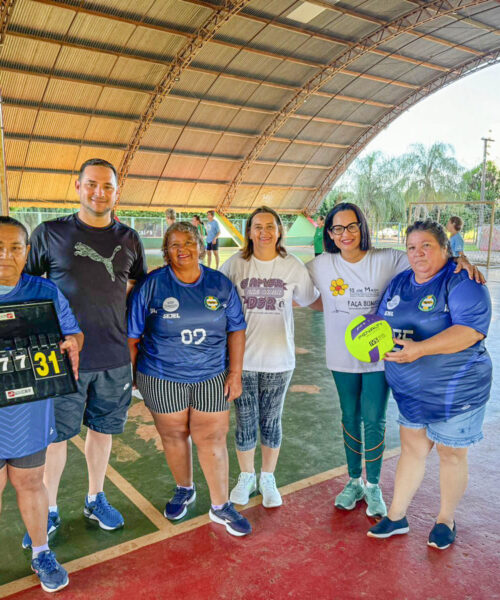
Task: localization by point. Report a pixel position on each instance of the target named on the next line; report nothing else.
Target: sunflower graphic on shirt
(338, 287)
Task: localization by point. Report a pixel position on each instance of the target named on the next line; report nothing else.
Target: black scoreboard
(31, 365)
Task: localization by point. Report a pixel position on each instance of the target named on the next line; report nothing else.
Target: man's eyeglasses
(351, 228)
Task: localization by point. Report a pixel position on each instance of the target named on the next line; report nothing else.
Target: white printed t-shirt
(267, 289)
(348, 290)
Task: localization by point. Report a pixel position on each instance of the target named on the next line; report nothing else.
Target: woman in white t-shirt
(351, 277)
(269, 281)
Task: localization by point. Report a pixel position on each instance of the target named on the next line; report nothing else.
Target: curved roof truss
(181, 61)
(220, 103)
(423, 14)
(471, 66)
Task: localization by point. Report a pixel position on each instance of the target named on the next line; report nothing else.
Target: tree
(432, 175)
(472, 183)
(333, 197)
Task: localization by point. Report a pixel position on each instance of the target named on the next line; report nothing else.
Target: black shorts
(32, 461)
(166, 397)
(213, 245)
(101, 402)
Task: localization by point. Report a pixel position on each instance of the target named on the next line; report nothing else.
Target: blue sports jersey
(30, 427)
(183, 327)
(437, 387)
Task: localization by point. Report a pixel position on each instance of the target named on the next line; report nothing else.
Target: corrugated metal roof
(77, 78)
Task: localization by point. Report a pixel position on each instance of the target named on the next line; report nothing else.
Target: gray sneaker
(353, 492)
(375, 503)
(270, 494)
(247, 484)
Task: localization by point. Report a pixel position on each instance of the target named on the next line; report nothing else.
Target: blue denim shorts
(460, 431)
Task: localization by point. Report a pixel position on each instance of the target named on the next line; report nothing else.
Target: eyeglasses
(351, 228)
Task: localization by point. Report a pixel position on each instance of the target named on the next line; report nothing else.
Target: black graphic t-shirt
(91, 267)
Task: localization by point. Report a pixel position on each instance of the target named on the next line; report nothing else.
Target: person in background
(198, 223)
(269, 281)
(454, 226)
(213, 233)
(94, 260)
(440, 375)
(318, 236)
(186, 339)
(27, 429)
(170, 216)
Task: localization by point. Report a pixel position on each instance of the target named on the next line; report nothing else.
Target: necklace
(255, 263)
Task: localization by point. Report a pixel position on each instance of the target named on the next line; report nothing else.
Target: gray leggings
(260, 406)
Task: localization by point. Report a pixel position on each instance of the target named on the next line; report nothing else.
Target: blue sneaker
(385, 528)
(231, 518)
(441, 536)
(53, 577)
(176, 507)
(53, 523)
(101, 510)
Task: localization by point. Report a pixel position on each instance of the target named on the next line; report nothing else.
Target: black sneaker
(441, 536)
(386, 528)
(176, 507)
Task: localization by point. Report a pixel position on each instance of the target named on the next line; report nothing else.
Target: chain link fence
(480, 230)
(481, 248)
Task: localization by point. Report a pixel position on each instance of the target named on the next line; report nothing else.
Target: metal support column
(4, 196)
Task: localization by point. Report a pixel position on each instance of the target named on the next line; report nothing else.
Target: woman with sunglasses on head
(351, 277)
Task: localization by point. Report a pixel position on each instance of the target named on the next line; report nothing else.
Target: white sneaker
(247, 483)
(270, 495)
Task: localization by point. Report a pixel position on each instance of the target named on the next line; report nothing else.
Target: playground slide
(230, 228)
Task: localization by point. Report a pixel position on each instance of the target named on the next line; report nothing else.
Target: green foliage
(384, 186)
(472, 183)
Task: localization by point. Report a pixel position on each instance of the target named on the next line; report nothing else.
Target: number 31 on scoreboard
(45, 363)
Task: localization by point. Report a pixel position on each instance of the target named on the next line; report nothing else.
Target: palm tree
(432, 175)
(376, 186)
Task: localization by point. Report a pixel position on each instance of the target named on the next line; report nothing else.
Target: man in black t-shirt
(95, 261)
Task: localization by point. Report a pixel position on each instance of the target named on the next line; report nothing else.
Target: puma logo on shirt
(84, 250)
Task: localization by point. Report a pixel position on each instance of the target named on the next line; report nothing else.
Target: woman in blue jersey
(187, 337)
(440, 376)
(27, 429)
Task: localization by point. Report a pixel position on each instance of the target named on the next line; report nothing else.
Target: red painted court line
(309, 550)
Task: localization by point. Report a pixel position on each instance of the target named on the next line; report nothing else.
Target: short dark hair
(211, 212)
(197, 217)
(435, 229)
(457, 223)
(4, 220)
(330, 245)
(247, 251)
(97, 162)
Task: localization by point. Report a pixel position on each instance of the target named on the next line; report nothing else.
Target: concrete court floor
(140, 482)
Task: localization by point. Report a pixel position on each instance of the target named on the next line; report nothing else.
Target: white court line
(167, 530)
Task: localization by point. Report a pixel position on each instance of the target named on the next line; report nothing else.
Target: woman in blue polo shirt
(440, 376)
(27, 429)
(187, 337)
